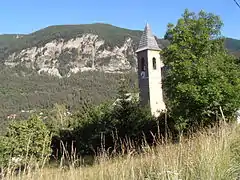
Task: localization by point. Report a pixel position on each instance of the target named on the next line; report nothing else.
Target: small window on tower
(142, 64)
(154, 63)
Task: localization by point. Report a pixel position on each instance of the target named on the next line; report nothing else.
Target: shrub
(28, 139)
(58, 118)
(5, 150)
(109, 126)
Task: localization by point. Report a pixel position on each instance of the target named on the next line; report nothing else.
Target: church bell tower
(149, 72)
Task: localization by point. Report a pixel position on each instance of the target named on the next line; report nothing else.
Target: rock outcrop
(88, 52)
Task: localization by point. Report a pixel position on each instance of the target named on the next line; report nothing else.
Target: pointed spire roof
(148, 40)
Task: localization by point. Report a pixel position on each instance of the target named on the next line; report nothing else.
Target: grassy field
(210, 154)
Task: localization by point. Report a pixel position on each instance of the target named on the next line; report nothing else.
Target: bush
(5, 150)
(27, 139)
(108, 126)
(58, 118)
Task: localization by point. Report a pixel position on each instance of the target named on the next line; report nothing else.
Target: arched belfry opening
(143, 68)
(149, 70)
(154, 63)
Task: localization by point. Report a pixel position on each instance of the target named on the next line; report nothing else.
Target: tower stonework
(149, 72)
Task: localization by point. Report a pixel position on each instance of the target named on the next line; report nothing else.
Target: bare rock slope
(67, 49)
(64, 50)
(85, 53)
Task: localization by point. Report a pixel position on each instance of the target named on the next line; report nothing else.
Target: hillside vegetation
(233, 45)
(22, 89)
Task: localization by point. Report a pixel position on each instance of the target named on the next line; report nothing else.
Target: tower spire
(147, 40)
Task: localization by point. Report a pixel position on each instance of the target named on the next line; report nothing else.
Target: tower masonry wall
(155, 83)
(143, 82)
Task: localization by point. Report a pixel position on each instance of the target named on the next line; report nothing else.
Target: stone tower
(150, 72)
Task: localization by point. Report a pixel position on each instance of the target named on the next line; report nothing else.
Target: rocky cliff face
(87, 52)
(66, 49)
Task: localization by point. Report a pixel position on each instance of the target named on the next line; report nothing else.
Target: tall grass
(210, 154)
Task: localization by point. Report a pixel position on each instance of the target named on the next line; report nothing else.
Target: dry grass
(208, 155)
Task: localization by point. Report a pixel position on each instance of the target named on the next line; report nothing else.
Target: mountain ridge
(64, 49)
(90, 29)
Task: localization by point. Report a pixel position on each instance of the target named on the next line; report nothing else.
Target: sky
(26, 16)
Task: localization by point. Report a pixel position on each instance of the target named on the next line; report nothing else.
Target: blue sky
(25, 16)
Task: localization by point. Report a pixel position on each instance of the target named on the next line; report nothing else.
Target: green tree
(132, 119)
(201, 80)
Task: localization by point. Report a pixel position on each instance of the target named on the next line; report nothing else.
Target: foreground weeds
(210, 154)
